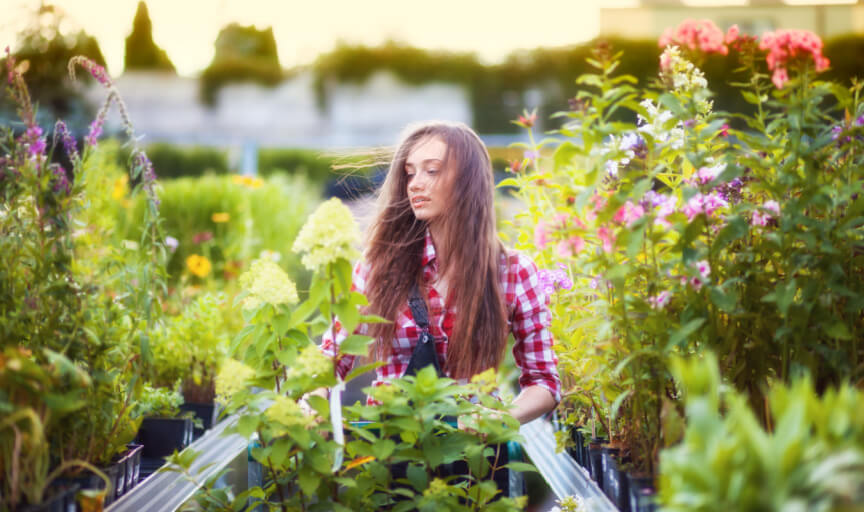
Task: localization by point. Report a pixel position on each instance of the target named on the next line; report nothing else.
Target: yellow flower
(232, 377)
(198, 265)
(220, 217)
(267, 282)
(287, 413)
(246, 181)
(121, 187)
(330, 234)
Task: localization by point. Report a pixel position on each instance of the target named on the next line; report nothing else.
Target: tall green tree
(142, 53)
(242, 54)
(47, 50)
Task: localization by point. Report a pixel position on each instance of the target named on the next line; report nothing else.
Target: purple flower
(95, 131)
(171, 243)
(69, 144)
(709, 174)
(860, 121)
(836, 131)
(552, 280)
(532, 155)
(612, 168)
(61, 182)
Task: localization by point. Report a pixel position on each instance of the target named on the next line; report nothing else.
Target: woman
(435, 229)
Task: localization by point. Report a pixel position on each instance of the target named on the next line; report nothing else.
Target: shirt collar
(429, 256)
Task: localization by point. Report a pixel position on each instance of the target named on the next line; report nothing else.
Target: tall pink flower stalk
(696, 35)
(786, 47)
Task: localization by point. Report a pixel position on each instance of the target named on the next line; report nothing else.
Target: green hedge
(170, 161)
(314, 164)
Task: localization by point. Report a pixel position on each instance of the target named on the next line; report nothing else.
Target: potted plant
(190, 349)
(164, 428)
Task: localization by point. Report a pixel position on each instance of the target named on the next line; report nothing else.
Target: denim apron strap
(424, 351)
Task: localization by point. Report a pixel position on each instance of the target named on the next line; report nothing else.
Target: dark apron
(424, 355)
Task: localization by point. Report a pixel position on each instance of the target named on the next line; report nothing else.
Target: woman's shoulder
(513, 260)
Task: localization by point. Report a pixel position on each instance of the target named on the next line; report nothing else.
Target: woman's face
(427, 186)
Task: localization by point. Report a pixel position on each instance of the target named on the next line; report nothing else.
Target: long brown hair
(395, 245)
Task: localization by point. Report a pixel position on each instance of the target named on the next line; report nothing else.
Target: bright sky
(186, 29)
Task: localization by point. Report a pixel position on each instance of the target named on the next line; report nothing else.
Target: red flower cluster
(787, 46)
(698, 35)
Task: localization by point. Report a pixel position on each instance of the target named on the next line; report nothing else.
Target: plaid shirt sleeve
(529, 324)
(336, 334)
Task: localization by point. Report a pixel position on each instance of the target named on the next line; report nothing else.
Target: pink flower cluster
(703, 270)
(787, 46)
(769, 210)
(567, 247)
(629, 214)
(699, 35)
(704, 203)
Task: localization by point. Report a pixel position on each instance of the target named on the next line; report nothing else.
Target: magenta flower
(69, 144)
(704, 268)
(768, 211)
(629, 214)
(553, 280)
(709, 174)
(660, 300)
(607, 237)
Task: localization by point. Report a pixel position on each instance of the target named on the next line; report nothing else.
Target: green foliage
(314, 165)
(141, 52)
(189, 348)
(158, 403)
(242, 54)
(683, 234)
(307, 463)
(75, 308)
(263, 215)
(812, 458)
(172, 161)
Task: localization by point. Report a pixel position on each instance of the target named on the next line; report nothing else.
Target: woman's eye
(432, 171)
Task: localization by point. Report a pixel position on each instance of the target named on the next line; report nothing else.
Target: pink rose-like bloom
(541, 236)
(607, 237)
(629, 213)
(787, 47)
(702, 35)
(779, 77)
(660, 300)
(567, 248)
(761, 218)
(732, 34)
(704, 268)
(694, 207)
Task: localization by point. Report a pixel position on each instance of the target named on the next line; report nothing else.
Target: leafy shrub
(172, 161)
(229, 221)
(316, 166)
(811, 459)
(683, 234)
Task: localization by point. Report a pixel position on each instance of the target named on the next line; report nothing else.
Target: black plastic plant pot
(609, 461)
(60, 498)
(133, 464)
(207, 413)
(641, 493)
(161, 436)
(576, 450)
(595, 458)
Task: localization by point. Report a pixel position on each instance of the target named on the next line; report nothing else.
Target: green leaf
(360, 370)
(355, 345)
(348, 315)
(522, 467)
(508, 182)
(308, 481)
(724, 299)
(684, 332)
(839, 331)
(735, 229)
(383, 449)
(418, 477)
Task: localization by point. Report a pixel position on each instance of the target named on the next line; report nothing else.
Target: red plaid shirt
(528, 319)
